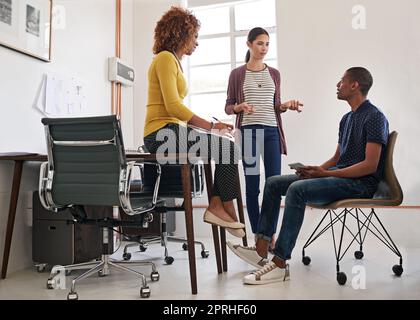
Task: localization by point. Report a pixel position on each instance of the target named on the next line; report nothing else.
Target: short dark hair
(363, 77)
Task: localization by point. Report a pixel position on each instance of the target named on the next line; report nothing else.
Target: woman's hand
(222, 126)
(294, 105)
(244, 107)
(223, 129)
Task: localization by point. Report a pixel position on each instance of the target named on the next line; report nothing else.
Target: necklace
(258, 79)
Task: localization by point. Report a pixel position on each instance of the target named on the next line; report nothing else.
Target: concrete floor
(370, 278)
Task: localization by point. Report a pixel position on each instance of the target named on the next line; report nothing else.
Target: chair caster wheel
(185, 246)
(145, 292)
(398, 270)
(358, 255)
(126, 256)
(306, 260)
(169, 260)
(341, 278)
(205, 254)
(51, 283)
(41, 268)
(155, 276)
(102, 274)
(72, 296)
(143, 248)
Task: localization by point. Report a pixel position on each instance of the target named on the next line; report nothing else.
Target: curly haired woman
(167, 117)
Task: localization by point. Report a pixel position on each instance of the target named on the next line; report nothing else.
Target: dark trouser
(174, 138)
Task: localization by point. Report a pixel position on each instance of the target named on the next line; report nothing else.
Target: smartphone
(296, 165)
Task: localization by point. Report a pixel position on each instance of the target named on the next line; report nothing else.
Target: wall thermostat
(120, 72)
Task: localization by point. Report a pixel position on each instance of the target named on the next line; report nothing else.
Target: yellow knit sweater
(167, 89)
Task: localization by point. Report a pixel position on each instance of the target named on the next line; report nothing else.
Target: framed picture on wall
(25, 26)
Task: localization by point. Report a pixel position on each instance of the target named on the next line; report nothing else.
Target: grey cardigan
(235, 95)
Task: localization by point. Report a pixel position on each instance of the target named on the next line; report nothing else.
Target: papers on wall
(61, 96)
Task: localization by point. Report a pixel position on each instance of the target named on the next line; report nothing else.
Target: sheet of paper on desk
(223, 133)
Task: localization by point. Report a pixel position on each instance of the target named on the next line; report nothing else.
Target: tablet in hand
(296, 165)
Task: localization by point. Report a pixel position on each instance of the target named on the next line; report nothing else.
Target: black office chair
(170, 189)
(389, 193)
(87, 166)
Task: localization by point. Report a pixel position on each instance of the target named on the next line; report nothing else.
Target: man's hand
(309, 172)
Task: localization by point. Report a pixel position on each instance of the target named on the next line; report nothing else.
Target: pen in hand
(228, 126)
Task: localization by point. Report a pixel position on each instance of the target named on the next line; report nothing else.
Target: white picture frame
(25, 26)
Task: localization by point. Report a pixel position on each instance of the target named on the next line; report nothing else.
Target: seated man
(353, 172)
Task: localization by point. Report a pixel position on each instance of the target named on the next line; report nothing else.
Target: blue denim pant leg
(299, 193)
(272, 159)
(275, 187)
(258, 141)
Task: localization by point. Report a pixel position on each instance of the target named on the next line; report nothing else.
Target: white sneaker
(248, 254)
(268, 274)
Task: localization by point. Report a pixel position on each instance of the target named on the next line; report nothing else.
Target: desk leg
(186, 185)
(209, 186)
(241, 210)
(17, 175)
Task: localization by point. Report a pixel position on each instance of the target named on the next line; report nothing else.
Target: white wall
(317, 44)
(80, 49)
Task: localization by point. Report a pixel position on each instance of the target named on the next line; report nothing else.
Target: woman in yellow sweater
(167, 117)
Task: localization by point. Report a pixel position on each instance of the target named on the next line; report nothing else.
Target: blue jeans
(259, 141)
(300, 192)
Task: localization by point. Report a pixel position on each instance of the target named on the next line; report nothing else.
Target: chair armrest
(45, 188)
(125, 188)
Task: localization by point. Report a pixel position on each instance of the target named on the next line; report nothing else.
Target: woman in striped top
(254, 96)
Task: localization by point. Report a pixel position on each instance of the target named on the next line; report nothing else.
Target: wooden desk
(20, 158)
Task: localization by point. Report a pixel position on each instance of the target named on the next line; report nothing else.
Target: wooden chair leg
(223, 247)
(209, 186)
(241, 209)
(186, 185)
(216, 242)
